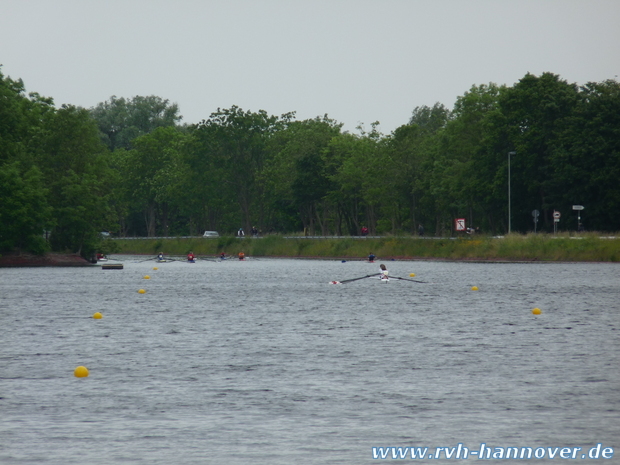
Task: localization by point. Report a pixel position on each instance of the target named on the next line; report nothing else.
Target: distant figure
(160, 256)
(100, 256)
(420, 230)
(254, 231)
(371, 257)
(222, 256)
(384, 272)
(241, 256)
(364, 231)
(240, 233)
(191, 257)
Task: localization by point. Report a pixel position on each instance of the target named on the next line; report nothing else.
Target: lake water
(264, 362)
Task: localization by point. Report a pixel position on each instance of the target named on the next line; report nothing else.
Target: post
(509, 213)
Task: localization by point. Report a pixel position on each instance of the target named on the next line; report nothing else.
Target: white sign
(577, 207)
(459, 224)
(556, 215)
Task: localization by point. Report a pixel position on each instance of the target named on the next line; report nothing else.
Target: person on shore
(240, 233)
(420, 230)
(383, 272)
(371, 257)
(191, 257)
(364, 231)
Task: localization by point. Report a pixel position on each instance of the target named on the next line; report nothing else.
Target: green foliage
(122, 120)
(251, 169)
(24, 212)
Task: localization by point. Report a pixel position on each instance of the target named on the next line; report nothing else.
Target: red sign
(459, 224)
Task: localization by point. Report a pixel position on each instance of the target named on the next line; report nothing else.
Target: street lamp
(509, 216)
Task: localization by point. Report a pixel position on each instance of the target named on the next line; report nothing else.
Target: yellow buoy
(412, 275)
(141, 291)
(537, 311)
(474, 288)
(155, 268)
(97, 316)
(81, 372)
(147, 277)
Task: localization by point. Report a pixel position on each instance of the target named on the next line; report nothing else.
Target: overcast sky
(358, 61)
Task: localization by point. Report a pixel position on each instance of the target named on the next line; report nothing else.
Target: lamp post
(509, 215)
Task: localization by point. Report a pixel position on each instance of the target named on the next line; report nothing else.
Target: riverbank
(527, 248)
(20, 259)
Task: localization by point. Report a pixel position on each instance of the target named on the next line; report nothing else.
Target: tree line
(130, 167)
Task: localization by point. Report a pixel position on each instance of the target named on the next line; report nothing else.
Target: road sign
(535, 213)
(556, 215)
(577, 207)
(459, 224)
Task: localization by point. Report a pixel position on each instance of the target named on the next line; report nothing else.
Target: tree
(430, 119)
(152, 173)
(294, 178)
(228, 156)
(586, 162)
(24, 212)
(22, 119)
(532, 116)
(122, 120)
(74, 166)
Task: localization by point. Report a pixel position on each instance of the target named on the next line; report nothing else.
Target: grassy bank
(532, 247)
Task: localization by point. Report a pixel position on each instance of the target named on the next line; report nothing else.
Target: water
(264, 362)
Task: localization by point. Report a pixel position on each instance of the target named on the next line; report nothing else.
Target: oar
(146, 260)
(354, 279)
(407, 279)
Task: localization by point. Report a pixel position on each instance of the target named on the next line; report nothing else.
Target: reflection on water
(263, 361)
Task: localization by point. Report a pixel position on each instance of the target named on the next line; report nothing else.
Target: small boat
(112, 266)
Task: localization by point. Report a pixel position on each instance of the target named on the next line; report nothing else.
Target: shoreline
(23, 260)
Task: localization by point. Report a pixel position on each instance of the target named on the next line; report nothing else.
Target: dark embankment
(17, 259)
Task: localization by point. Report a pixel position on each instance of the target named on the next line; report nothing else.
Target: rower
(371, 257)
(160, 257)
(191, 257)
(384, 272)
(241, 256)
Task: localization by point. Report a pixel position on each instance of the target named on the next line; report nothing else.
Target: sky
(357, 61)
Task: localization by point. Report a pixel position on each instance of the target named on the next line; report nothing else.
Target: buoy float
(97, 316)
(141, 291)
(412, 275)
(537, 311)
(80, 372)
(155, 268)
(147, 277)
(474, 288)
